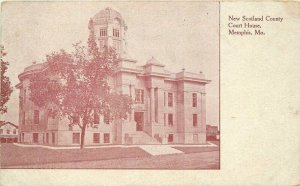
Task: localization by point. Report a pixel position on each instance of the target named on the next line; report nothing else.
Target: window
(170, 118)
(23, 118)
(76, 119)
(116, 44)
(96, 118)
(53, 137)
(139, 96)
(106, 118)
(170, 99)
(35, 137)
(24, 96)
(103, 32)
(47, 137)
(1, 131)
(171, 138)
(195, 120)
(36, 117)
(7, 131)
(106, 137)
(14, 131)
(102, 44)
(164, 99)
(116, 33)
(96, 138)
(49, 115)
(194, 95)
(23, 137)
(76, 138)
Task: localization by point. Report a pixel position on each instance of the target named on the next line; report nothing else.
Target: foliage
(6, 88)
(77, 85)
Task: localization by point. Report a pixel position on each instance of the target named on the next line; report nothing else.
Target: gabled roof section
(2, 123)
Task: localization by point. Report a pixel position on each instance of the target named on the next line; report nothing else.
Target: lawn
(12, 155)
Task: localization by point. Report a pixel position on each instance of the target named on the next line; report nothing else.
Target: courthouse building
(168, 107)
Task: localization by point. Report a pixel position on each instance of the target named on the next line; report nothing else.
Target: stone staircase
(141, 137)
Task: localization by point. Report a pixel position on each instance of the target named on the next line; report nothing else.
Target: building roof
(107, 15)
(2, 123)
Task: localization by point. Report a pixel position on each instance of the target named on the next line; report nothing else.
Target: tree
(77, 85)
(5, 89)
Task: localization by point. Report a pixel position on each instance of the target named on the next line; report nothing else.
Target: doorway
(139, 119)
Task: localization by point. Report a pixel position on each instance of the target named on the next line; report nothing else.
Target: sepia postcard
(150, 93)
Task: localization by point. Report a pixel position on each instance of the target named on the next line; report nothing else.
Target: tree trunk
(82, 136)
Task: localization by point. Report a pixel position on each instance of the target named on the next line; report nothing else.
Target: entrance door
(139, 119)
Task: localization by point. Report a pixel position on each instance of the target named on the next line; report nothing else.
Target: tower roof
(154, 62)
(107, 15)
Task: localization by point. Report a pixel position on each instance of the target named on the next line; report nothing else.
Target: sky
(179, 35)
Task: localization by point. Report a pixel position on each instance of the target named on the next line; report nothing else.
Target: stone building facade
(168, 107)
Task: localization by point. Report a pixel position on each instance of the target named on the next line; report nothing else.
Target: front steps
(141, 137)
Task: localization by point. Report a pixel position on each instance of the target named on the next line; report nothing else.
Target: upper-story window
(96, 118)
(139, 95)
(14, 131)
(1, 131)
(170, 99)
(194, 95)
(195, 120)
(116, 33)
(24, 118)
(7, 131)
(36, 117)
(170, 119)
(106, 118)
(103, 32)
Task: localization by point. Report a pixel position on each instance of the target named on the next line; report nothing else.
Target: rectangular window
(76, 119)
(36, 117)
(23, 118)
(194, 95)
(23, 137)
(14, 131)
(103, 32)
(116, 33)
(170, 99)
(76, 138)
(106, 137)
(35, 137)
(106, 118)
(171, 138)
(53, 137)
(170, 119)
(139, 96)
(96, 118)
(1, 131)
(195, 120)
(47, 137)
(24, 96)
(164, 99)
(96, 137)
(49, 115)
(7, 131)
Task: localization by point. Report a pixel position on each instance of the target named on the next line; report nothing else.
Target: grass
(12, 155)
